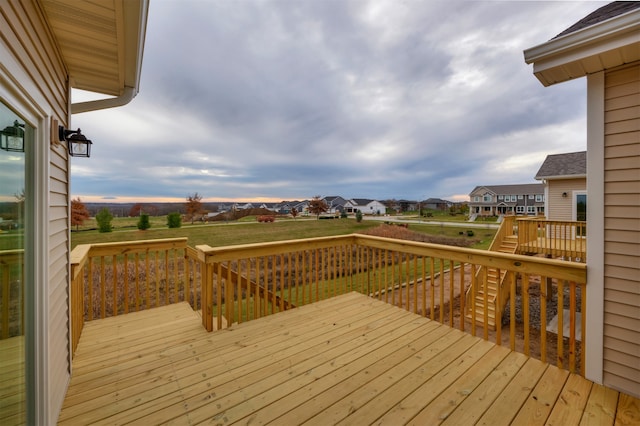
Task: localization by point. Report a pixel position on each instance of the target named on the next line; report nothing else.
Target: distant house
(243, 206)
(436, 204)
(335, 204)
(365, 206)
(604, 47)
(565, 185)
(497, 200)
(269, 206)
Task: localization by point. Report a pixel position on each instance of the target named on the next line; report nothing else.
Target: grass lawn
(232, 233)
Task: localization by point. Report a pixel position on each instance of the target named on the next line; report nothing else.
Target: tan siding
(561, 208)
(622, 228)
(31, 43)
(24, 32)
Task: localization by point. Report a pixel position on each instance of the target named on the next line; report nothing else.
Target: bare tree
(294, 213)
(317, 206)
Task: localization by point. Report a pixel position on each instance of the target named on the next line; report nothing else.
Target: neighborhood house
(501, 200)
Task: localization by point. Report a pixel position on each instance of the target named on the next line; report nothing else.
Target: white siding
(40, 74)
(622, 230)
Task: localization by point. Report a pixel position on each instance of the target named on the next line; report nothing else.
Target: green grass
(224, 234)
(232, 233)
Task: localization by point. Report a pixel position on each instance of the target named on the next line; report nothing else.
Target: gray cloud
(288, 99)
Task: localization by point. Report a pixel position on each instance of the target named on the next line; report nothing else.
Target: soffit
(589, 50)
(101, 41)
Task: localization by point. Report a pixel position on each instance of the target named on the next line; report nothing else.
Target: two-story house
(498, 200)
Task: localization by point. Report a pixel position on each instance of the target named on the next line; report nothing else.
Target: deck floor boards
(346, 360)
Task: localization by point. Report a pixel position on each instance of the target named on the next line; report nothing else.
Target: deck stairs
(495, 281)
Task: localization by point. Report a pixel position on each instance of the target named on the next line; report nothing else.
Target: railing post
(207, 297)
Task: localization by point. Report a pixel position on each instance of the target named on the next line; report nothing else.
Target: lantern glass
(79, 147)
(12, 138)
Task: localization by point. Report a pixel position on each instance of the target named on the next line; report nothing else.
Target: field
(232, 233)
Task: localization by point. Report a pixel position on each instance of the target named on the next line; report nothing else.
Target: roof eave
(601, 46)
(559, 177)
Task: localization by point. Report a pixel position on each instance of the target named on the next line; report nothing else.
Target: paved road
(433, 222)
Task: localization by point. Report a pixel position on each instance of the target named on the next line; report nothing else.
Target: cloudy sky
(280, 100)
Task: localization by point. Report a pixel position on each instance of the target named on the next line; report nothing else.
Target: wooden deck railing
(251, 281)
(11, 293)
(240, 283)
(554, 238)
(110, 279)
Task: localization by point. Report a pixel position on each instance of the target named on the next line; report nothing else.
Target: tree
(136, 210)
(317, 206)
(294, 213)
(79, 212)
(143, 222)
(193, 206)
(174, 220)
(104, 218)
(358, 216)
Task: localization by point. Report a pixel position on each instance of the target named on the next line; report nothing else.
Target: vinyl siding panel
(42, 73)
(561, 208)
(622, 230)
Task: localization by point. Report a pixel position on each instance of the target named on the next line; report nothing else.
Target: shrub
(343, 215)
(266, 218)
(358, 216)
(174, 220)
(470, 233)
(143, 222)
(104, 218)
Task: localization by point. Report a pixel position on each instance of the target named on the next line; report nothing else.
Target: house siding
(40, 72)
(559, 207)
(621, 367)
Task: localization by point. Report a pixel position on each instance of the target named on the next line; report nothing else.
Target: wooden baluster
(485, 295)
(560, 359)
(498, 308)
(415, 284)
(572, 327)
(463, 295)
(167, 285)
(103, 290)
(544, 288)
(432, 289)
(512, 311)
(90, 285)
(525, 313)
(451, 292)
(583, 329)
(125, 273)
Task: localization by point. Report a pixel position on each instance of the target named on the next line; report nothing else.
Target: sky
(284, 100)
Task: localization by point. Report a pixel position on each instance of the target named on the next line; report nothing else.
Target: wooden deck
(556, 247)
(346, 360)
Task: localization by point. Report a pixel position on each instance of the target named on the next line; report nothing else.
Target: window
(476, 198)
(15, 197)
(500, 197)
(531, 209)
(539, 198)
(531, 196)
(513, 198)
(487, 198)
(520, 197)
(520, 209)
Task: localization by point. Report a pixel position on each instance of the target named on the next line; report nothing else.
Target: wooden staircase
(494, 282)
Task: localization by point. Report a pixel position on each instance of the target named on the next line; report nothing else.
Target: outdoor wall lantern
(77, 144)
(564, 195)
(12, 138)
